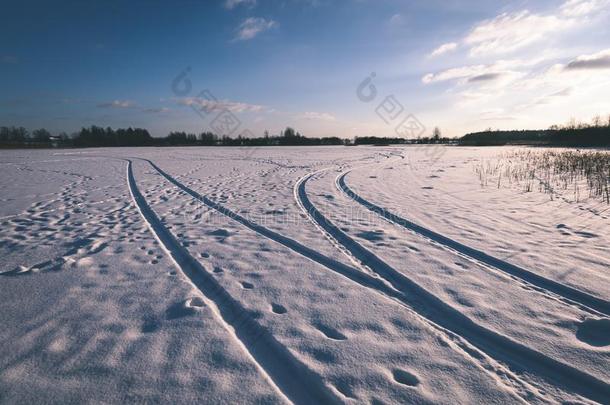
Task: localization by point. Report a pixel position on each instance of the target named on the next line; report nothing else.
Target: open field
(299, 274)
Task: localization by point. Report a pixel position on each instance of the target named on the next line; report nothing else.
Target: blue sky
(462, 66)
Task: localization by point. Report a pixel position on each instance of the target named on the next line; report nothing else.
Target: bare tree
(436, 134)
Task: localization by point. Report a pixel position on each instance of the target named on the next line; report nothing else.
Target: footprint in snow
(373, 236)
(330, 333)
(278, 309)
(223, 233)
(405, 378)
(195, 302)
(184, 308)
(595, 332)
(345, 389)
(150, 325)
(246, 285)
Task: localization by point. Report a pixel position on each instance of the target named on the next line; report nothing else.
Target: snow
(303, 275)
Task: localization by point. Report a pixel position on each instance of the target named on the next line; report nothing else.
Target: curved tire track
(571, 294)
(374, 284)
(343, 269)
(519, 357)
(292, 379)
(377, 285)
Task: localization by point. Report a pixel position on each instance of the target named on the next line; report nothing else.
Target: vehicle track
(461, 203)
(292, 379)
(573, 296)
(376, 285)
(517, 356)
(343, 269)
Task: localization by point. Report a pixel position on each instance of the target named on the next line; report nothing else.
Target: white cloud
(502, 69)
(600, 60)
(318, 116)
(219, 105)
(549, 98)
(579, 8)
(535, 96)
(161, 110)
(455, 73)
(396, 20)
(117, 104)
(485, 77)
(543, 81)
(448, 47)
(509, 32)
(231, 4)
(582, 72)
(253, 26)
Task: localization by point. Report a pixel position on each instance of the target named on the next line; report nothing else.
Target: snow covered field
(304, 275)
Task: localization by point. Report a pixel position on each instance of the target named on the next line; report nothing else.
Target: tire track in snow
(460, 203)
(376, 285)
(343, 269)
(572, 295)
(292, 379)
(517, 356)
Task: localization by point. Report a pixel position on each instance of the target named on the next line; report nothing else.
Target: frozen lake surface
(304, 275)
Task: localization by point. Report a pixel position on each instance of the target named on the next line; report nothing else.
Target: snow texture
(298, 275)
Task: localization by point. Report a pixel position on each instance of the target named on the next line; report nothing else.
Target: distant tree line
(94, 136)
(573, 134)
(436, 138)
(97, 136)
(287, 137)
(19, 137)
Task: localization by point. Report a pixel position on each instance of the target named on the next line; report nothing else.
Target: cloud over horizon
(253, 26)
(538, 75)
(219, 105)
(511, 31)
(231, 4)
(600, 60)
(117, 104)
(321, 116)
(444, 48)
(451, 65)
